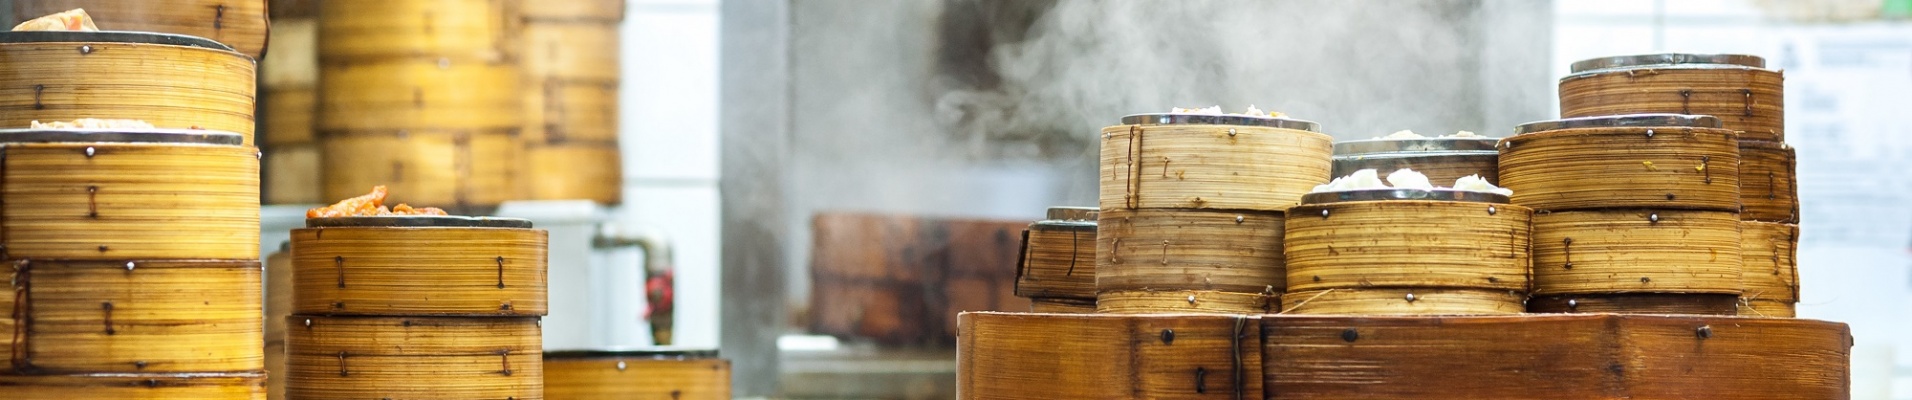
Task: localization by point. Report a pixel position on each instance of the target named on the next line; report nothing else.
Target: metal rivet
(620, 365)
(89, 151)
(308, 322)
(1231, 131)
(1105, 136)
(1240, 219)
(1168, 336)
(1571, 303)
(259, 155)
(129, 265)
(1350, 335)
(1491, 210)
(1410, 297)
(1645, 279)
(86, 49)
(1191, 299)
(139, 364)
(1324, 213)
(1705, 331)
(1653, 218)
(1649, 132)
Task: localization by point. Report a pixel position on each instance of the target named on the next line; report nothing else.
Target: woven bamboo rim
(1637, 303)
(1768, 308)
(562, 112)
(1101, 356)
(1184, 302)
(612, 377)
(237, 23)
(290, 174)
(1210, 166)
(372, 30)
(1600, 356)
(606, 11)
(1747, 100)
(220, 386)
(162, 316)
(1156, 249)
(1768, 182)
(169, 86)
(1441, 169)
(1637, 251)
(591, 171)
(118, 201)
(1403, 301)
(1058, 260)
(420, 94)
(579, 51)
(419, 271)
(1588, 168)
(1060, 305)
(443, 169)
(1403, 243)
(1771, 255)
(293, 60)
(414, 357)
(287, 114)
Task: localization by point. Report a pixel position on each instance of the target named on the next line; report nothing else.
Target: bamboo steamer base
(1058, 262)
(223, 386)
(414, 358)
(1403, 301)
(238, 23)
(610, 378)
(383, 271)
(458, 171)
(1747, 100)
(290, 174)
(574, 171)
(1101, 356)
(418, 94)
(1768, 182)
(1637, 303)
(1767, 308)
(1221, 167)
(1637, 251)
(129, 201)
(1183, 301)
(1408, 244)
(1601, 168)
(1062, 305)
(1184, 249)
(134, 317)
(558, 111)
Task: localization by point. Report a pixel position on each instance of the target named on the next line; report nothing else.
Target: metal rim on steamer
(1220, 119)
(411, 221)
(1074, 214)
(656, 353)
(1644, 60)
(1621, 121)
(179, 136)
(1403, 194)
(111, 37)
(1417, 145)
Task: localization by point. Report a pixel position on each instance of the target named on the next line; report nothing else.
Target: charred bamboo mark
(501, 275)
(38, 91)
(219, 17)
(342, 369)
(107, 309)
(1566, 248)
(92, 202)
(1686, 101)
(339, 263)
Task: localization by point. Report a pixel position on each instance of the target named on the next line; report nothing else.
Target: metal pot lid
(1621, 121)
(111, 37)
(1643, 60)
(1214, 119)
(660, 352)
(181, 136)
(1403, 194)
(1073, 213)
(410, 221)
(1420, 145)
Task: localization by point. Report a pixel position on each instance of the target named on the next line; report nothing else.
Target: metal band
(1642, 60)
(111, 37)
(1621, 121)
(1212, 119)
(451, 221)
(181, 136)
(1403, 194)
(1424, 145)
(659, 353)
(1073, 213)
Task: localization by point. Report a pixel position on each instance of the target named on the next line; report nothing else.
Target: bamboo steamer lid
(418, 266)
(1060, 305)
(1211, 162)
(1101, 356)
(383, 30)
(1768, 182)
(291, 174)
(601, 11)
(1182, 249)
(1768, 308)
(128, 194)
(192, 386)
(1408, 238)
(238, 23)
(1598, 356)
(575, 170)
(170, 81)
(294, 59)
(1442, 159)
(139, 316)
(1771, 261)
(559, 111)
(1637, 251)
(414, 357)
(1736, 88)
(457, 170)
(636, 374)
(1403, 301)
(572, 51)
(418, 94)
(1637, 303)
(1058, 257)
(1184, 302)
(1648, 160)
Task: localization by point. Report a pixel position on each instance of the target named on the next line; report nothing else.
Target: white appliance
(597, 279)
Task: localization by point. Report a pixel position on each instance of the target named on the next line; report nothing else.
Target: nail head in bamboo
(574, 170)
(414, 357)
(140, 316)
(290, 174)
(194, 386)
(294, 57)
(1554, 357)
(1637, 251)
(418, 271)
(1181, 249)
(1058, 259)
(1654, 160)
(1402, 301)
(1736, 88)
(603, 11)
(1771, 261)
(361, 30)
(1636, 303)
(82, 195)
(1059, 305)
(169, 81)
(419, 94)
(562, 112)
(1211, 162)
(439, 168)
(1768, 182)
(1408, 244)
(1101, 356)
(238, 23)
(1767, 308)
(640, 374)
(1184, 302)
(1442, 159)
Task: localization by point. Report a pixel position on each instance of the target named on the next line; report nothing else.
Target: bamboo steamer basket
(1637, 251)
(159, 316)
(1599, 356)
(636, 374)
(1442, 159)
(170, 81)
(1736, 88)
(288, 115)
(294, 58)
(128, 194)
(275, 367)
(1771, 261)
(1100, 356)
(603, 11)
(1768, 308)
(418, 95)
(278, 292)
(414, 358)
(456, 170)
(194, 386)
(1186, 161)
(1407, 238)
(571, 50)
(380, 30)
(558, 112)
(419, 266)
(1768, 182)
(291, 174)
(1186, 249)
(241, 24)
(575, 170)
(1638, 161)
(1184, 302)
(1403, 301)
(1636, 303)
(1062, 305)
(1058, 256)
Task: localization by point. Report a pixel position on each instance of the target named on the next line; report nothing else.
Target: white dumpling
(1408, 179)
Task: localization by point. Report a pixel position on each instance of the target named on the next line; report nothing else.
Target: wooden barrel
(1637, 251)
(1652, 160)
(1636, 303)
(199, 386)
(417, 266)
(1768, 182)
(414, 357)
(1442, 159)
(1736, 88)
(1600, 356)
(379, 30)
(1184, 302)
(1186, 249)
(1386, 239)
(462, 171)
(1403, 301)
(1100, 356)
(169, 81)
(1062, 305)
(128, 194)
(636, 374)
(238, 23)
(1058, 256)
(1211, 162)
(140, 316)
(1770, 253)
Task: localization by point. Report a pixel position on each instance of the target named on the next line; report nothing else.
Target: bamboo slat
(1052, 305)
(1767, 308)
(1184, 302)
(1402, 301)
(419, 271)
(169, 86)
(238, 23)
(135, 316)
(1637, 251)
(294, 57)
(220, 386)
(291, 174)
(1637, 303)
(608, 377)
(1771, 261)
(1589, 168)
(574, 170)
(435, 168)
(1554, 357)
(1100, 356)
(573, 50)
(609, 11)
(1441, 169)
(1408, 244)
(1058, 260)
(120, 201)
(418, 94)
(288, 115)
(1178, 249)
(414, 358)
(459, 30)
(1748, 100)
(1210, 166)
(1768, 182)
(560, 111)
